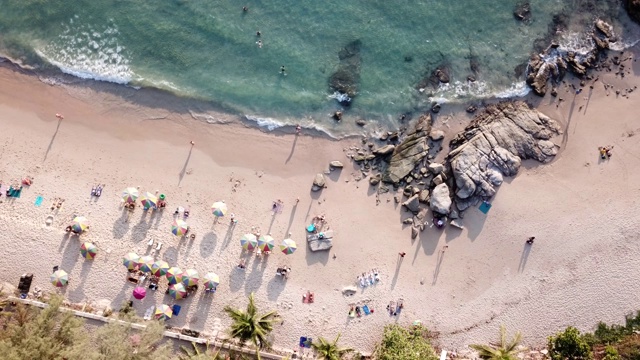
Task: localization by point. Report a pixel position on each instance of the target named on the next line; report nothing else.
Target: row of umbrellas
(149, 200)
(174, 275)
(249, 242)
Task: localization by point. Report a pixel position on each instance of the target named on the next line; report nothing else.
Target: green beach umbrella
(177, 291)
(219, 208)
(159, 268)
(146, 262)
(266, 243)
(288, 246)
(88, 250)
(211, 281)
(80, 224)
(190, 277)
(163, 312)
(249, 242)
(59, 278)
(131, 261)
(174, 275)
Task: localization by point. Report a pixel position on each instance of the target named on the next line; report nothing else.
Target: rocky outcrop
(522, 11)
(347, 77)
(412, 204)
(336, 164)
(440, 201)
(384, 150)
(494, 144)
(410, 152)
(633, 9)
(556, 60)
(318, 182)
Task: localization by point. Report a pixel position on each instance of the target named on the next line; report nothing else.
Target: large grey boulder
(384, 150)
(336, 164)
(318, 182)
(320, 244)
(413, 204)
(440, 200)
(409, 152)
(494, 145)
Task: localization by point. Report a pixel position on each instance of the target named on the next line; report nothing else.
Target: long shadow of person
(525, 255)
(53, 138)
(184, 167)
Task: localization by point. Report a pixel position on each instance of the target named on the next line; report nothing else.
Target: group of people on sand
(605, 151)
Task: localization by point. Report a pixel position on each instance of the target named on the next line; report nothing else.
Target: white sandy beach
(581, 269)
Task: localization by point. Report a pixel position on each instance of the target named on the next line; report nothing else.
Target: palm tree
(501, 351)
(197, 354)
(329, 350)
(251, 326)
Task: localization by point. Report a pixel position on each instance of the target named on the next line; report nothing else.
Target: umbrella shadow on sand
(139, 231)
(121, 226)
(275, 287)
(208, 244)
(236, 279)
(77, 294)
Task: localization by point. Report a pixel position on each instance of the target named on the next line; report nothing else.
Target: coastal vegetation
(503, 350)
(329, 350)
(405, 343)
(250, 326)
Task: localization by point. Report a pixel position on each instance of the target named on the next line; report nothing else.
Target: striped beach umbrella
(266, 243)
(131, 261)
(59, 278)
(249, 242)
(179, 227)
(211, 281)
(130, 194)
(177, 291)
(159, 268)
(80, 224)
(146, 262)
(149, 200)
(139, 293)
(219, 208)
(190, 277)
(88, 250)
(163, 312)
(288, 246)
(174, 275)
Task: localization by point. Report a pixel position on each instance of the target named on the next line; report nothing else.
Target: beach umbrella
(149, 200)
(159, 268)
(211, 281)
(190, 277)
(139, 293)
(249, 242)
(146, 262)
(163, 312)
(80, 224)
(266, 243)
(219, 208)
(288, 246)
(179, 227)
(88, 250)
(174, 275)
(130, 194)
(131, 261)
(177, 291)
(59, 278)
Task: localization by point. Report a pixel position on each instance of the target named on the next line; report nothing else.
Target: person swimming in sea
(283, 71)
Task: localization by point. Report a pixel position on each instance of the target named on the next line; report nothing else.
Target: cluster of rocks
(554, 62)
(494, 144)
(346, 78)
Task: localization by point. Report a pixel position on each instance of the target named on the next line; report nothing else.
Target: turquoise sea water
(208, 49)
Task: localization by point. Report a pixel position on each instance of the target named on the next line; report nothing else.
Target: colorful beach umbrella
(80, 224)
(211, 281)
(149, 200)
(163, 312)
(179, 227)
(249, 242)
(139, 293)
(219, 208)
(59, 278)
(159, 268)
(177, 291)
(130, 194)
(174, 275)
(88, 250)
(288, 246)
(146, 262)
(190, 277)
(131, 261)
(266, 243)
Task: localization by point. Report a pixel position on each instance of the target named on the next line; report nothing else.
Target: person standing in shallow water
(283, 71)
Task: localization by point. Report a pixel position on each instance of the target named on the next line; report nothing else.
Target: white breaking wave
(89, 53)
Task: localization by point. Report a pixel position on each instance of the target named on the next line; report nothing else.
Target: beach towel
(38, 201)
(303, 340)
(366, 310)
(176, 309)
(484, 207)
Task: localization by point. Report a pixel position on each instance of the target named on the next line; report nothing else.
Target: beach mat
(484, 207)
(38, 201)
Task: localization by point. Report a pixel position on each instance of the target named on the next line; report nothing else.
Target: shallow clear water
(207, 49)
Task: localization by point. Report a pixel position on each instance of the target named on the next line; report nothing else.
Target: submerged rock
(522, 11)
(346, 79)
(410, 152)
(494, 144)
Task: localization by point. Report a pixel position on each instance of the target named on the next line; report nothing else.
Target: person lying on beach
(162, 204)
(27, 181)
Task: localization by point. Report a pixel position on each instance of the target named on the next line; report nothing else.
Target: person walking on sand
(530, 240)
(402, 254)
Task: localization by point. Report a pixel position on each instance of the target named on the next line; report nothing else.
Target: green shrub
(569, 345)
(399, 343)
(610, 353)
(629, 347)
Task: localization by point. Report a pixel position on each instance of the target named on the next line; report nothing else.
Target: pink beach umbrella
(139, 293)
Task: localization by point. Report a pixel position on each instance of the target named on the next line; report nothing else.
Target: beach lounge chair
(149, 313)
(366, 310)
(358, 311)
(150, 243)
(176, 309)
(99, 190)
(159, 246)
